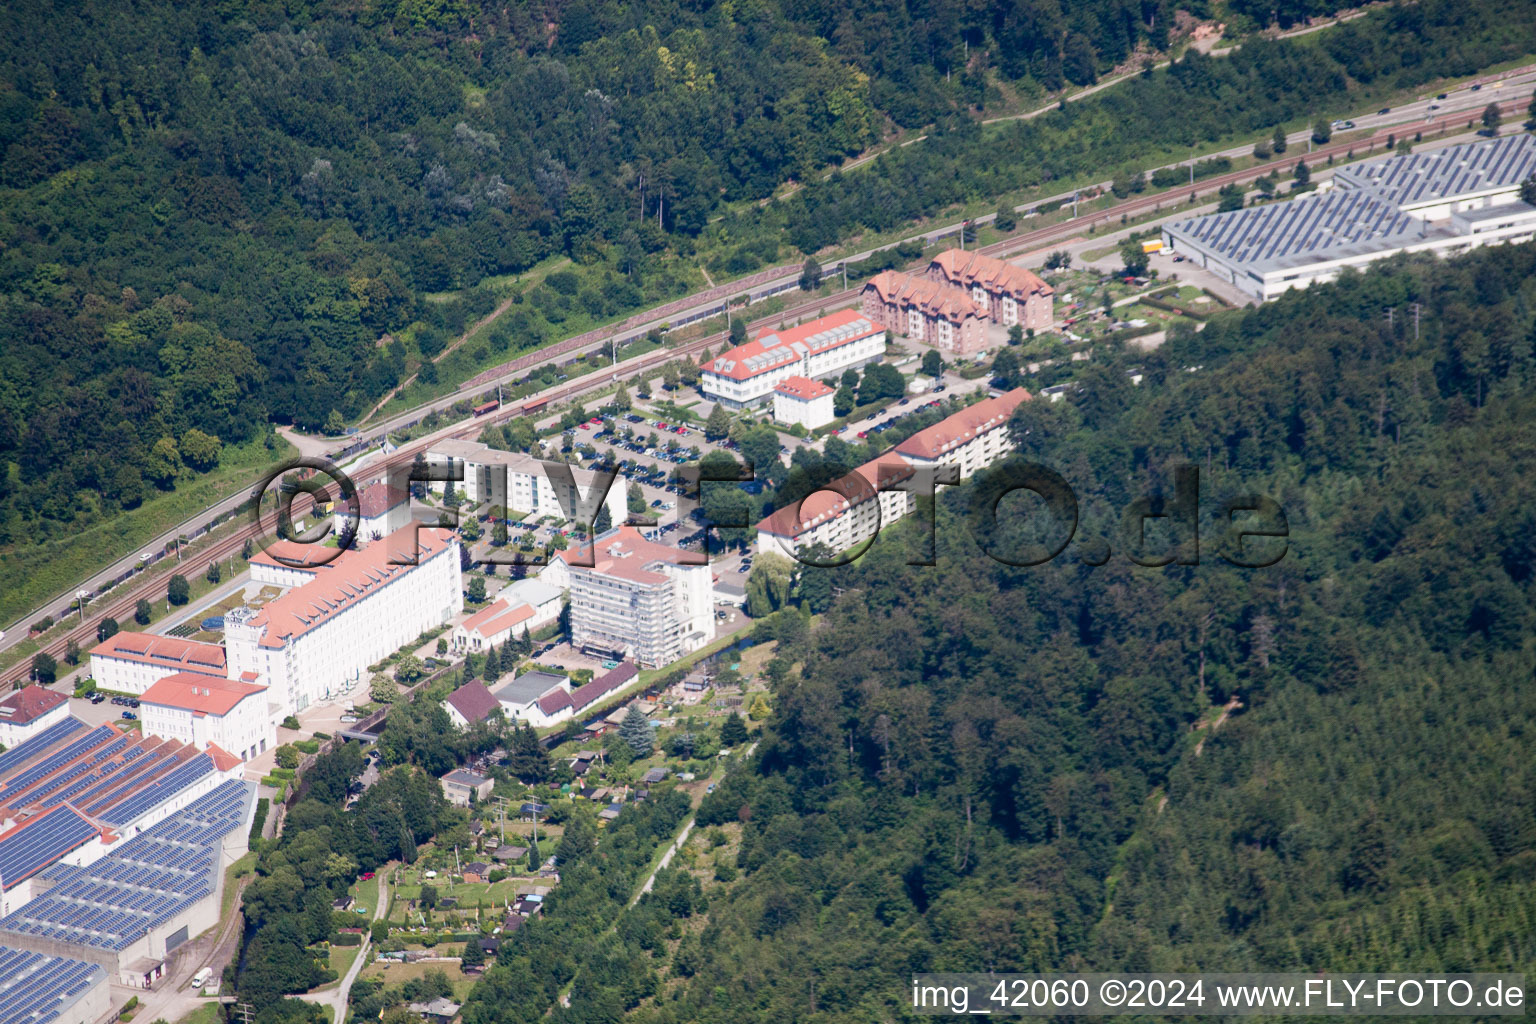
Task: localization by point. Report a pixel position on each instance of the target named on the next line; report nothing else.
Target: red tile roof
(351, 577)
(624, 553)
(802, 388)
(29, 703)
(290, 554)
(585, 696)
(199, 694)
(497, 617)
(995, 275)
(165, 651)
(474, 701)
(555, 700)
(223, 760)
(933, 298)
(378, 498)
(772, 349)
(963, 426)
(835, 498)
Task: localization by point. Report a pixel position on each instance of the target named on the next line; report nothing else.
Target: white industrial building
(1444, 202)
(317, 640)
(639, 600)
(523, 484)
(747, 374)
(803, 401)
(230, 714)
(28, 711)
(853, 508)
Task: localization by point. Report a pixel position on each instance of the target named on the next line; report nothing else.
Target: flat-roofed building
(803, 401)
(227, 713)
(747, 374)
(28, 711)
(132, 662)
(639, 600)
(522, 484)
(1441, 202)
(462, 787)
(40, 989)
(537, 698)
(318, 639)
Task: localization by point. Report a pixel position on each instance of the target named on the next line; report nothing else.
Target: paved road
(336, 998)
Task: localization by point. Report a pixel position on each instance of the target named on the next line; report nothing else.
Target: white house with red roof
(381, 510)
(317, 640)
(747, 374)
(803, 401)
(853, 508)
(471, 703)
(638, 600)
(228, 714)
(132, 662)
(26, 712)
(524, 607)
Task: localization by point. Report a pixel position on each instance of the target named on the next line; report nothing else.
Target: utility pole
(1416, 309)
(80, 596)
(246, 1014)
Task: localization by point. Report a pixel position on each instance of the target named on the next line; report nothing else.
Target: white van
(201, 977)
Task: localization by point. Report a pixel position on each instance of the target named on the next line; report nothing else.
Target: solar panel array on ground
(101, 772)
(35, 988)
(151, 878)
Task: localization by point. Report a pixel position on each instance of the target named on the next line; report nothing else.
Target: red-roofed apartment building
(26, 712)
(227, 713)
(1007, 294)
(803, 401)
(639, 600)
(317, 640)
(132, 662)
(960, 292)
(852, 508)
(747, 374)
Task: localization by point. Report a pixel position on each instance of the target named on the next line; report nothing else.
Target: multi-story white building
(230, 714)
(639, 600)
(26, 712)
(1441, 202)
(317, 640)
(132, 662)
(853, 508)
(523, 484)
(803, 401)
(747, 374)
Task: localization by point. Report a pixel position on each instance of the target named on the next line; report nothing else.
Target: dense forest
(974, 766)
(213, 218)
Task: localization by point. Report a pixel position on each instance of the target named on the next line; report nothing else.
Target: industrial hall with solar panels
(1442, 202)
(113, 849)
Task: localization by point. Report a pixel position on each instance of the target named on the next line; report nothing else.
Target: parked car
(129, 715)
(1384, 110)
(97, 698)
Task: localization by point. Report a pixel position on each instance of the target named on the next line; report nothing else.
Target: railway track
(122, 607)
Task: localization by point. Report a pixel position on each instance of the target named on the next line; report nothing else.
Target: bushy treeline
(975, 766)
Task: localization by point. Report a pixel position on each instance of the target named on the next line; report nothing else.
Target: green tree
(215, 572)
(718, 425)
(1229, 198)
(1134, 259)
(200, 450)
(1006, 219)
(733, 731)
(491, 671)
(738, 332)
(604, 521)
(477, 589)
(409, 669)
(635, 730)
(142, 612)
(1528, 190)
(813, 584)
(1322, 131)
(178, 591)
(288, 756)
(106, 628)
(769, 584)
(383, 690)
(933, 363)
(1303, 174)
(44, 667)
(163, 464)
(1277, 141)
(474, 954)
(843, 400)
(810, 275)
(636, 500)
(72, 652)
(470, 529)
(1492, 118)
(621, 400)
(535, 858)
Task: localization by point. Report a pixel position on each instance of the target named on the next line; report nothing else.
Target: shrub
(263, 805)
(347, 939)
(288, 756)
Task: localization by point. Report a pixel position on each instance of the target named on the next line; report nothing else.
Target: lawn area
(208, 1013)
(37, 574)
(341, 962)
(397, 974)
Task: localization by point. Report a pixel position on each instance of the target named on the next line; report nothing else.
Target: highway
(1372, 130)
